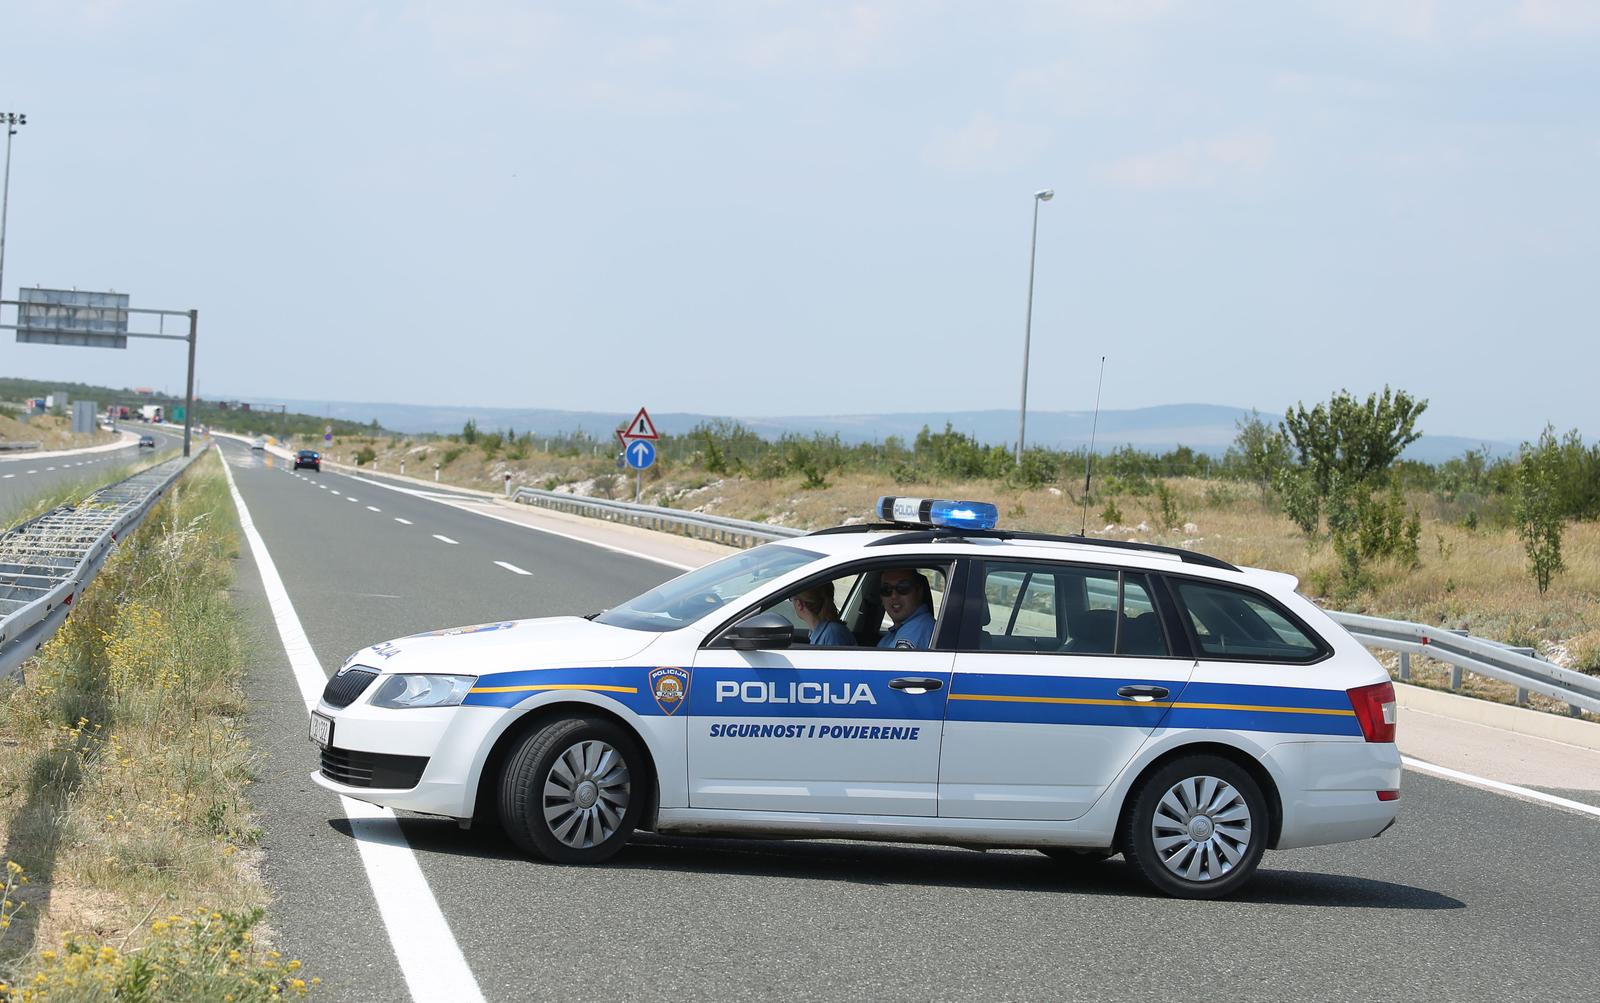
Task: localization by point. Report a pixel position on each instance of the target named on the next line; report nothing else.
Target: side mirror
(764, 630)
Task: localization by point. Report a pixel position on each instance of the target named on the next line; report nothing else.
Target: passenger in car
(909, 602)
(816, 607)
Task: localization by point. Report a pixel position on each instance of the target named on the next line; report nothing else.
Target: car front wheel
(572, 792)
(1197, 827)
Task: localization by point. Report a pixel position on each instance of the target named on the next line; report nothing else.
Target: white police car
(1081, 697)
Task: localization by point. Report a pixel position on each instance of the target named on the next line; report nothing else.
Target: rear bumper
(1330, 791)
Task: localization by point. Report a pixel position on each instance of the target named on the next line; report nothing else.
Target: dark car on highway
(308, 458)
(147, 441)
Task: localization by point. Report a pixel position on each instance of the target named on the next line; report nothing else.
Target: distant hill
(1207, 428)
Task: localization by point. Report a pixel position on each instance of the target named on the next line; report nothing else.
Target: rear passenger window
(1039, 608)
(1231, 623)
(1141, 624)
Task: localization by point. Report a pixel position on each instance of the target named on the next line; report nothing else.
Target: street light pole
(1044, 195)
(11, 120)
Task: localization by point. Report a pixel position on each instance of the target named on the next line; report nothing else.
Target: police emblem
(669, 685)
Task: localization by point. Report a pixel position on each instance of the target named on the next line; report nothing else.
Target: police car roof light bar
(943, 513)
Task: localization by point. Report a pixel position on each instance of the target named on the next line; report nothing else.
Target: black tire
(582, 834)
(1218, 875)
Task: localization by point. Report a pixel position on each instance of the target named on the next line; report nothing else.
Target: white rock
(1056, 492)
(1143, 527)
(1190, 528)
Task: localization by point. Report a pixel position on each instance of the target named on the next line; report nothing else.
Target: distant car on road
(923, 679)
(259, 444)
(308, 458)
(147, 441)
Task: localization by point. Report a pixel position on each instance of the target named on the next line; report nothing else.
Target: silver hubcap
(1201, 828)
(586, 794)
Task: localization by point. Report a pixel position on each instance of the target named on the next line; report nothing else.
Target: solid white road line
(403, 522)
(522, 525)
(1500, 788)
(443, 539)
(430, 959)
(513, 568)
(374, 508)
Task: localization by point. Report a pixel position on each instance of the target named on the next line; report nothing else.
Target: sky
(770, 208)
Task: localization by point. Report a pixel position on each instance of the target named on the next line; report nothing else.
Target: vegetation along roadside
(126, 836)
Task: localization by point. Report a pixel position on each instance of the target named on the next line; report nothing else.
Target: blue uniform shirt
(833, 634)
(915, 631)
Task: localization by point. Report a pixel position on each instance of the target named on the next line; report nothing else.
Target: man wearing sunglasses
(909, 603)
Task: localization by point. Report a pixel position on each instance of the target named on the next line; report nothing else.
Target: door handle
(1143, 694)
(918, 683)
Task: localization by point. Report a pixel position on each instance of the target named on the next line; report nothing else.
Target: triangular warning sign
(641, 427)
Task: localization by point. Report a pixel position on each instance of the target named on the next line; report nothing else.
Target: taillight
(1375, 709)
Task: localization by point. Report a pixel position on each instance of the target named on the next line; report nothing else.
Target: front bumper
(454, 741)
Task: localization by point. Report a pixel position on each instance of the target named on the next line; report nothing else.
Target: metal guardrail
(1462, 652)
(737, 532)
(18, 446)
(1465, 653)
(46, 561)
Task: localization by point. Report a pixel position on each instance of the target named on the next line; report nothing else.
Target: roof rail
(920, 535)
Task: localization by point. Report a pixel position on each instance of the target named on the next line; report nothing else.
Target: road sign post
(639, 448)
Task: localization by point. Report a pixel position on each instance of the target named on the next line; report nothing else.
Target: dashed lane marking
(430, 959)
(403, 522)
(444, 539)
(374, 508)
(513, 568)
(522, 525)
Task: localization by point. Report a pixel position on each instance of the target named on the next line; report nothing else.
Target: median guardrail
(1463, 652)
(716, 528)
(46, 561)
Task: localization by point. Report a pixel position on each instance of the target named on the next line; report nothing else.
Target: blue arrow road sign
(641, 453)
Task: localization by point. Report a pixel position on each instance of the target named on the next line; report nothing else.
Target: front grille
(343, 688)
(372, 769)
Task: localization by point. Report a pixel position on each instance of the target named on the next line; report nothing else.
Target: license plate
(321, 730)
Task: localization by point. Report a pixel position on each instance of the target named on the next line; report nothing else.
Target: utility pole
(1027, 331)
(11, 120)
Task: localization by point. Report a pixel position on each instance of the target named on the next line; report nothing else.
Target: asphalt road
(24, 478)
(1472, 896)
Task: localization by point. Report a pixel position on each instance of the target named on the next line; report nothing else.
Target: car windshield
(689, 597)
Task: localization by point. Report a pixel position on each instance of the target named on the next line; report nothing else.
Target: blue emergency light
(941, 512)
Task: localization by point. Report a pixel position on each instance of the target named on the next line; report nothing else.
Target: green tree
(469, 432)
(1538, 507)
(1359, 442)
(1260, 449)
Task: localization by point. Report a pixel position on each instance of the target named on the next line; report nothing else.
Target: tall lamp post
(1027, 330)
(10, 120)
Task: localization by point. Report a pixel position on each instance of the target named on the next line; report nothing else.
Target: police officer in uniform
(909, 602)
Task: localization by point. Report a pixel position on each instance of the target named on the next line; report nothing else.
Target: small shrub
(451, 455)
(1538, 509)
(202, 958)
(1111, 513)
(365, 455)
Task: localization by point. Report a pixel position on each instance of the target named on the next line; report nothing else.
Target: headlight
(404, 691)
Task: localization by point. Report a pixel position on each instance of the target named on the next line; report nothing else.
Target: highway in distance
(1473, 895)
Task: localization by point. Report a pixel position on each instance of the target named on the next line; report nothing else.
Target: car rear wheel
(1197, 827)
(572, 792)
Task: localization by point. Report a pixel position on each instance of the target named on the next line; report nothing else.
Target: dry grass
(121, 790)
(50, 432)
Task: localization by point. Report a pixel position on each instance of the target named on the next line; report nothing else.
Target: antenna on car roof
(1089, 466)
